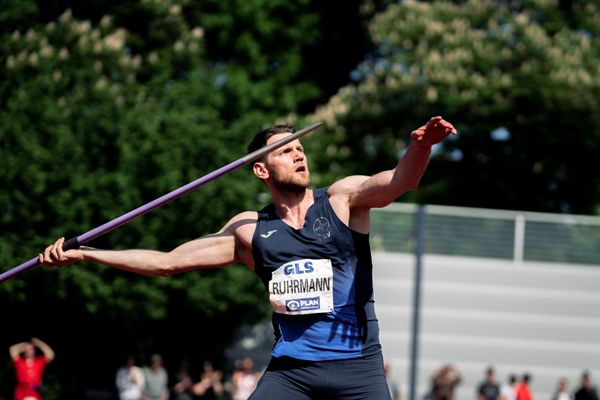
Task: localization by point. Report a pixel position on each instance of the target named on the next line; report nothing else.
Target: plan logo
(310, 303)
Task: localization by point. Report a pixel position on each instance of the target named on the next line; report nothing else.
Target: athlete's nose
(298, 155)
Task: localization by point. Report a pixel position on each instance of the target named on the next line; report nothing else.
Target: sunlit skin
(286, 174)
(286, 167)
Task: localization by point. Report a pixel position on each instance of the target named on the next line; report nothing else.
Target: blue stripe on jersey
(351, 330)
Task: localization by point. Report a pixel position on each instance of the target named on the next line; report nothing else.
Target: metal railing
(477, 232)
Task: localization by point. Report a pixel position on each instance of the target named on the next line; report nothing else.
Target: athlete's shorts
(354, 379)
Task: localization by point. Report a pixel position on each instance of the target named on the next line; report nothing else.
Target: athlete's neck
(291, 207)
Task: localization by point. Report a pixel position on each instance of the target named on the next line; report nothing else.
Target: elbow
(405, 183)
(162, 266)
(165, 270)
(412, 185)
(406, 187)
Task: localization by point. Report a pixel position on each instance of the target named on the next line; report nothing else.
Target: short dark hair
(260, 139)
(585, 374)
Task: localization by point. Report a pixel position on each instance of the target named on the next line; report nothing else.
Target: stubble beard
(293, 184)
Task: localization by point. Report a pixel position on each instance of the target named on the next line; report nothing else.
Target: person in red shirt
(522, 390)
(29, 368)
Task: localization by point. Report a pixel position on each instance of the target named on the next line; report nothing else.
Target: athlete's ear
(260, 170)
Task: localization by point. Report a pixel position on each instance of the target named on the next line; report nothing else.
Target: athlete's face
(287, 165)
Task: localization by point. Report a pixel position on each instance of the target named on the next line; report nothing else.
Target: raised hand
(434, 131)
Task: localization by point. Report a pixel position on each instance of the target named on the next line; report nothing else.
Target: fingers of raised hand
(449, 128)
(434, 120)
(439, 126)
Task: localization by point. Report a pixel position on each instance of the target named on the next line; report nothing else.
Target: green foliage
(109, 105)
(528, 68)
(93, 131)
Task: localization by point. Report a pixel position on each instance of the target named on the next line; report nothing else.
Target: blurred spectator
(130, 380)
(562, 390)
(244, 379)
(182, 389)
(156, 380)
(586, 390)
(210, 385)
(444, 382)
(392, 383)
(522, 390)
(29, 368)
(489, 388)
(507, 390)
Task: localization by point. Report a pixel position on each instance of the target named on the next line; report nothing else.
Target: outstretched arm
(385, 187)
(353, 197)
(47, 350)
(210, 251)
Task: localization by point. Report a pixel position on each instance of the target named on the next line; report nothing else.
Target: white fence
(475, 232)
(515, 290)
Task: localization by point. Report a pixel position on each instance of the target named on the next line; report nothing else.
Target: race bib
(302, 287)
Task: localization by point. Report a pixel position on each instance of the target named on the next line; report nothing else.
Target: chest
(322, 236)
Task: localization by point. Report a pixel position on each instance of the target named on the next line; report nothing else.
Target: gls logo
(297, 268)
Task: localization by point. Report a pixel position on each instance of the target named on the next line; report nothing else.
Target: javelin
(123, 219)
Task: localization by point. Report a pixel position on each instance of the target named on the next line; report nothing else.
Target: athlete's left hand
(434, 131)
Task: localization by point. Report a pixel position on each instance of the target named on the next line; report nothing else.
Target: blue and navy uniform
(350, 331)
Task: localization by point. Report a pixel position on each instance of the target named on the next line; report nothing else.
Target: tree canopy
(520, 80)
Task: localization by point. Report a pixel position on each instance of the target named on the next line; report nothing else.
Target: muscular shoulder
(346, 186)
(342, 191)
(242, 225)
(340, 198)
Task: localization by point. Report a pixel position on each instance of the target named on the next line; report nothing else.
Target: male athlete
(310, 247)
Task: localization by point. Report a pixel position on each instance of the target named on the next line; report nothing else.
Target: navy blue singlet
(351, 329)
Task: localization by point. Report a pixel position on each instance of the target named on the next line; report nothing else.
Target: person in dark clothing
(489, 388)
(586, 390)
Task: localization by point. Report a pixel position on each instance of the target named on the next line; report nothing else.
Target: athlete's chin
(296, 186)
